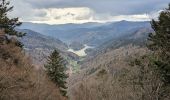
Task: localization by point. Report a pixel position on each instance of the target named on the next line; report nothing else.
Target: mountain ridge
(94, 34)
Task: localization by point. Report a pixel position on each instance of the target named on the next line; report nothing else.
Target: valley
(90, 52)
(84, 41)
(84, 50)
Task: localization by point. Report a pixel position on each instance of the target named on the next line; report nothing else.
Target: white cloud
(66, 15)
(70, 15)
(78, 11)
(79, 15)
(155, 14)
(138, 17)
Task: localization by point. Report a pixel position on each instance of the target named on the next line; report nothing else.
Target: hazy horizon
(75, 11)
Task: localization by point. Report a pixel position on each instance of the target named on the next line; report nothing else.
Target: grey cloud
(57, 17)
(41, 14)
(70, 14)
(65, 15)
(83, 17)
(33, 10)
(115, 7)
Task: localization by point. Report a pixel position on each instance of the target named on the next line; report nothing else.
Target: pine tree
(56, 71)
(6, 23)
(160, 43)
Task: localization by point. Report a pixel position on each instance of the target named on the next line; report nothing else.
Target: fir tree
(6, 23)
(160, 43)
(56, 68)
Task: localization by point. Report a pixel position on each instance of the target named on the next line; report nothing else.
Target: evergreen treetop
(6, 23)
(56, 68)
(160, 43)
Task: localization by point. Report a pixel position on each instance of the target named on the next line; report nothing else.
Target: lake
(81, 52)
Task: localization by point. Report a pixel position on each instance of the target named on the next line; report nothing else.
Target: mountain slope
(135, 36)
(39, 47)
(98, 73)
(37, 40)
(99, 35)
(89, 33)
(19, 80)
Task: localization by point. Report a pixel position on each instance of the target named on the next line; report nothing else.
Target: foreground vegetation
(18, 78)
(20, 81)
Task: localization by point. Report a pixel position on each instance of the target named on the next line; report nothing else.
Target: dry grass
(20, 81)
(113, 78)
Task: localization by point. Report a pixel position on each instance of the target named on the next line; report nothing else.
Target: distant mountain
(88, 33)
(98, 35)
(47, 29)
(66, 32)
(136, 37)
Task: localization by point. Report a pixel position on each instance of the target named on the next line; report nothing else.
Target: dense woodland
(134, 66)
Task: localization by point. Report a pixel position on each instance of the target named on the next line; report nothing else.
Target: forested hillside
(100, 77)
(19, 80)
(85, 50)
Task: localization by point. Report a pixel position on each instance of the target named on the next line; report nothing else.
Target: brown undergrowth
(19, 80)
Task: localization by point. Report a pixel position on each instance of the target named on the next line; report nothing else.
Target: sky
(83, 11)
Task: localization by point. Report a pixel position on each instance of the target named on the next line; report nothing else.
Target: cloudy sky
(81, 11)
